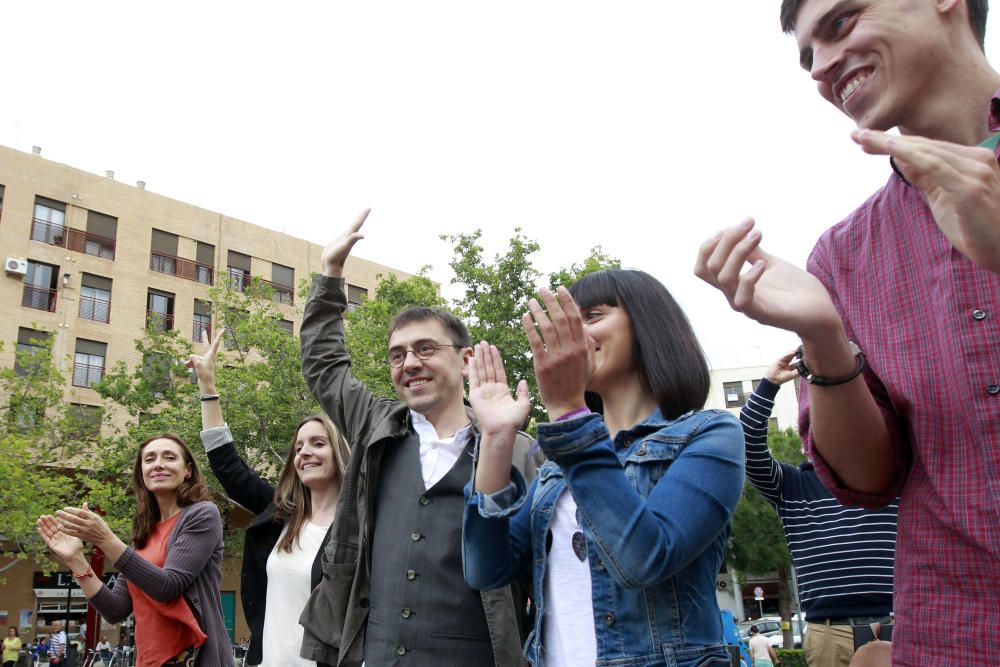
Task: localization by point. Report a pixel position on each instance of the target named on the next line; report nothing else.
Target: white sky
(641, 126)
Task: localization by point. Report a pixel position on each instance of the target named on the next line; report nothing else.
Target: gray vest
(422, 612)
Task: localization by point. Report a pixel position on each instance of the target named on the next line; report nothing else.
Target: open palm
(65, 547)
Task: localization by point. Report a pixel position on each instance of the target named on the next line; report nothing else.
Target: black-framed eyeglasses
(424, 351)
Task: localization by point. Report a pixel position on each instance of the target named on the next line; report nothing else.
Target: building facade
(89, 262)
(732, 386)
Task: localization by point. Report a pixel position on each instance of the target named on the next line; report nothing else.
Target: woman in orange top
(170, 573)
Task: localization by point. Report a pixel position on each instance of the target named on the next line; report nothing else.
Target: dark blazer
(256, 495)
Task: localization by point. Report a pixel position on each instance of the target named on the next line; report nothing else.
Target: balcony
(180, 267)
(39, 297)
(72, 239)
(92, 308)
(87, 375)
(159, 321)
(240, 281)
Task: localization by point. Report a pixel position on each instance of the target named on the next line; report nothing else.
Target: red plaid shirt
(928, 320)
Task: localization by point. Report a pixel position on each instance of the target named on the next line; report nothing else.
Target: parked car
(770, 627)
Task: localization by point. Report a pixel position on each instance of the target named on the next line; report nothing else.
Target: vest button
(415, 536)
(600, 564)
(400, 650)
(993, 389)
(641, 451)
(609, 619)
(424, 501)
(405, 613)
(411, 575)
(978, 314)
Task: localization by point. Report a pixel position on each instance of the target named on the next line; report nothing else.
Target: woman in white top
(284, 544)
(761, 650)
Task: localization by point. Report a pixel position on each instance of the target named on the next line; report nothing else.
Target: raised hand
(962, 185)
(772, 291)
(204, 363)
(562, 351)
(63, 546)
(335, 253)
(496, 410)
(781, 371)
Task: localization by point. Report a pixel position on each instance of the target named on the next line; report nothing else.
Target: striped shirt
(57, 644)
(928, 320)
(842, 555)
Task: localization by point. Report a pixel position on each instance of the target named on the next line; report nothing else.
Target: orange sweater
(162, 629)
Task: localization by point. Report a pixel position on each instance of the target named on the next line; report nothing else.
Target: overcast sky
(640, 126)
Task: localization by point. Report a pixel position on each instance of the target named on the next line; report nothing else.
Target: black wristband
(209, 397)
(819, 380)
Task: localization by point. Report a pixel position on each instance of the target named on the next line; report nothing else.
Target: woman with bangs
(283, 547)
(170, 574)
(624, 529)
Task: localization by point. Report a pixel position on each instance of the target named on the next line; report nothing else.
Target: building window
(355, 295)
(734, 394)
(159, 310)
(163, 252)
(205, 268)
(84, 421)
(99, 240)
(88, 363)
(202, 329)
(26, 412)
(1, 201)
(31, 346)
(283, 282)
(238, 271)
(287, 326)
(156, 370)
(40, 286)
(95, 298)
(49, 222)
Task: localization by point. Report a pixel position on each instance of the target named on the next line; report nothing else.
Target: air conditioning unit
(15, 266)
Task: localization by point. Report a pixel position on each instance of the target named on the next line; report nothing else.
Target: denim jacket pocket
(647, 463)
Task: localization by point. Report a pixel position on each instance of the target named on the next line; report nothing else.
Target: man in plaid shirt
(898, 313)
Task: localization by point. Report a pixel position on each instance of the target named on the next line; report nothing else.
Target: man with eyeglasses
(393, 592)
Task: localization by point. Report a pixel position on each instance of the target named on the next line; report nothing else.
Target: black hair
(978, 9)
(453, 326)
(672, 365)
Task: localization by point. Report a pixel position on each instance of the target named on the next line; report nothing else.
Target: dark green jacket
(335, 616)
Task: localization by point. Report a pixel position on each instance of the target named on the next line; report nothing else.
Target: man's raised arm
(846, 426)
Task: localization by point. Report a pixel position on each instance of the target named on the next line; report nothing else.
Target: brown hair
(147, 510)
(292, 498)
(978, 10)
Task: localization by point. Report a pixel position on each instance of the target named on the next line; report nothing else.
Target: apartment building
(731, 387)
(89, 262)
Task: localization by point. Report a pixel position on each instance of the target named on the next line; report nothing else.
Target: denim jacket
(655, 507)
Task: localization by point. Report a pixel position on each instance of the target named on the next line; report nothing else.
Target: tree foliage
(41, 437)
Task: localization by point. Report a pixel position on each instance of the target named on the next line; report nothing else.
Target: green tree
(598, 260)
(40, 437)
(758, 543)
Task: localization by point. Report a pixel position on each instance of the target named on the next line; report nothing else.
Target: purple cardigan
(193, 569)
